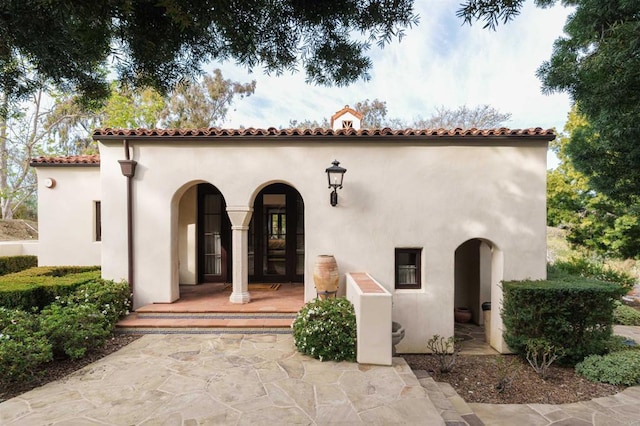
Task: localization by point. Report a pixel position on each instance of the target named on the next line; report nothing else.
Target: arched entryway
(473, 276)
(204, 235)
(276, 235)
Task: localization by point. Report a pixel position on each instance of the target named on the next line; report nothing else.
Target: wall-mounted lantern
(335, 174)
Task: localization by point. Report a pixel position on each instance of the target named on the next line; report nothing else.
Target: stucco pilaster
(240, 217)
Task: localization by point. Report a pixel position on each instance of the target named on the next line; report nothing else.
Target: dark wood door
(214, 236)
(276, 236)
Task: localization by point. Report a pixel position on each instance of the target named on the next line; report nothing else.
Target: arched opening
(276, 235)
(473, 277)
(204, 236)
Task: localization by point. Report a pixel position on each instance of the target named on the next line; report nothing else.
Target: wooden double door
(275, 238)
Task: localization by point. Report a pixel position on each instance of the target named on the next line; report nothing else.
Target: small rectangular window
(98, 220)
(408, 268)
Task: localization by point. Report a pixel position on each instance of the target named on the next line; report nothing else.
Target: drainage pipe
(128, 168)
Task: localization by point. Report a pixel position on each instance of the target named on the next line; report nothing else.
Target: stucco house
(438, 217)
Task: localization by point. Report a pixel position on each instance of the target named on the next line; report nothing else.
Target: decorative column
(240, 217)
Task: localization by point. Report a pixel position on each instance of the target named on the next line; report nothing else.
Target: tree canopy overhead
(598, 64)
(157, 43)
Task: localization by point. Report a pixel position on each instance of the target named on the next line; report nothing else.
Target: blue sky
(440, 62)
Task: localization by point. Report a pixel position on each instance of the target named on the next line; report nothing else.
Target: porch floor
(214, 297)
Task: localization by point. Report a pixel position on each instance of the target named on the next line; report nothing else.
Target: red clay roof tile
(271, 131)
(78, 160)
(214, 132)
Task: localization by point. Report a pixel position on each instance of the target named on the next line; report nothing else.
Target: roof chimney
(346, 118)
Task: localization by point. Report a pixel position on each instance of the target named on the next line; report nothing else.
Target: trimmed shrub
(38, 287)
(112, 299)
(23, 348)
(11, 264)
(73, 330)
(626, 315)
(568, 312)
(617, 368)
(326, 330)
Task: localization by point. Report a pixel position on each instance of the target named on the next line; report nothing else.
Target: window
(347, 124)
(408, 269)
(98, 221)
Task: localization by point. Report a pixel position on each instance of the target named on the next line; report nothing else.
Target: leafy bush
(541, 354)
(110, 298)
(582, 267)
(569, 312)
(11, 264)
(23, 348)
(626, 315)
(38, 287)
(74, 329)
(445, 351)
(617, 368)
(326, 330)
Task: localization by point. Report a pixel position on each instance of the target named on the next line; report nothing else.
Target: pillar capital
(239, 215)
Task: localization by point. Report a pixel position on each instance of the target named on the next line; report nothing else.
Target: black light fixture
(335, 174)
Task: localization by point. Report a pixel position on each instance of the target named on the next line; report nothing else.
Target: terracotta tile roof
(73, 160)
(109, 133)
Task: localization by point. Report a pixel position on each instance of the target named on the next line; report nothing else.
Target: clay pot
(325, 275)
(462, 315)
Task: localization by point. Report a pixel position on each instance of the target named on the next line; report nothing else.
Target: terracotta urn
(462, 315)
(325, 275)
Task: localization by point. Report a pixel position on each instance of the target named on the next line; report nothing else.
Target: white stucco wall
(66, 215)
(398, 194)
(19, 248)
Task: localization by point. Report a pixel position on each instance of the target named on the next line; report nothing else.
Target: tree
(597, 64)
(495, 11)
(594, 220)
(130, 109)
(158, 43)
(203, 103)
(464, 117)
(20, 138)
(30, 128)
(375, 117)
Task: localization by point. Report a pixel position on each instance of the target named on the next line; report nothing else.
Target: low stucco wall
(19, 248)
(372, 304)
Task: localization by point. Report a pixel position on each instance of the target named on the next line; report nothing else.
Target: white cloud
(439, 62)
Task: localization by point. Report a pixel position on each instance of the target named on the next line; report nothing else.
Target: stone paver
(260, 379)
(225, 379)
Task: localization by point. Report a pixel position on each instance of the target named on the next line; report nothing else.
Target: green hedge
(11, 264)
(38, 287)
(570, 312)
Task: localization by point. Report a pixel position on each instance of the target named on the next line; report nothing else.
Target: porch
(205, 308)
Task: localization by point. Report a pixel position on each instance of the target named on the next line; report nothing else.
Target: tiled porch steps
(206, 323)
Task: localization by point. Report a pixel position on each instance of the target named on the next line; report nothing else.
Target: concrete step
(453, 409)
(206, 323)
